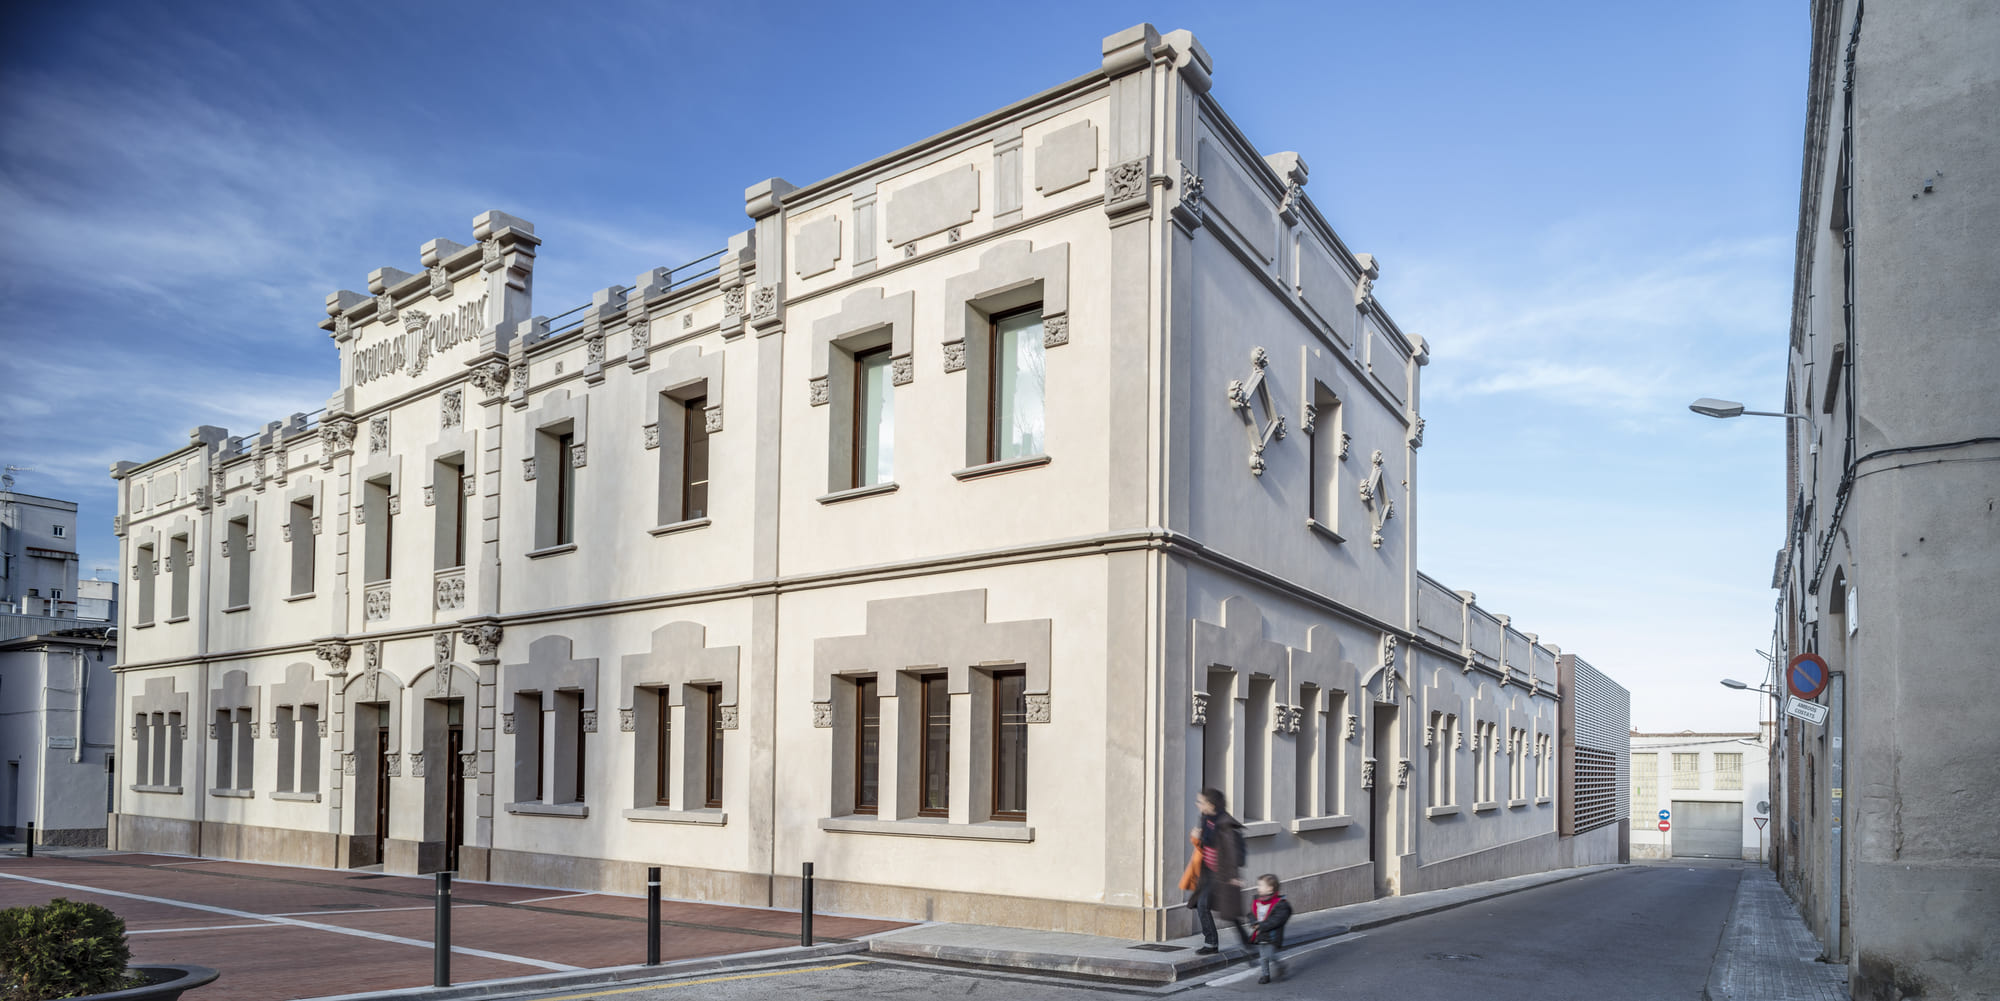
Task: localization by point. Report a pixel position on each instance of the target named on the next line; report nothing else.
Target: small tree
(62, 949)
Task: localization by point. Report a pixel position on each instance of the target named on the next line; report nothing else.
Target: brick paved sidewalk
(1767, 953)
(284, 932)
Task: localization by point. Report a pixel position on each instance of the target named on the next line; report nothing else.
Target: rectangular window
(448, 494)
(581, 747)
(173, 742)
(1435, 757)
(246, 749)
(163, 732)
(934, 746)
(1728, 771)
(712, 783)
(1687, 771)
(239, 562)
(1257, 751)
(565, 513)
(144, 572)
(142, 747)
(1323, 461)
(303, 564)
(177, 569)
(874, 419)
(663, 753)
(225, 750)
(61, 530)
(694, 459)
(1305, 754)
(1015, 416)
(1334, 755)
(867, 745)
(287, 749)
(308, 748)
(1010, 741)
(1645, 791)
(381, 530)
(529, 726)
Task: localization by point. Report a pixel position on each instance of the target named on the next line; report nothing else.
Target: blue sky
(1587, 209)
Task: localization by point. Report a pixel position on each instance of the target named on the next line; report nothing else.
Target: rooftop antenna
(7, 478)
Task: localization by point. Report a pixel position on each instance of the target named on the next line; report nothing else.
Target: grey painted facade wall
(59, 699)
(1188, 607)
(38, 561)
(1893, 553)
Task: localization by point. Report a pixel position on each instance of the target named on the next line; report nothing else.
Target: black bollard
(31, 839)
(652, 915)
(806, 907)
(441, 939)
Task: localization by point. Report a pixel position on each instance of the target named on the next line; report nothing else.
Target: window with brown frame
(867, 745)
(663, 783)
(713, 778)
(1010, 745)
(694, 459)
(580, 746)
(1015, 426)
(934, 746)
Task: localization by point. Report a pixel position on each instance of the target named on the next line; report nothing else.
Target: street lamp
(1709, 406)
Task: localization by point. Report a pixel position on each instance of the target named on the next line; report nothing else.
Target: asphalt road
(1647, 933)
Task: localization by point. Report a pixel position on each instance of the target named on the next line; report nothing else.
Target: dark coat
(1225, 835)
(1272, 928)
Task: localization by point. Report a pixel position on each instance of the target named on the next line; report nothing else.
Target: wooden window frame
(712, 761)
(663, 754)
(863, 689)
(694, 427)
(999, 721)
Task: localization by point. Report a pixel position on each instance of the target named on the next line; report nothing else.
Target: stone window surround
(1321, 666)
(297, 691)
(236, 695)
(688, 373)
(156, 746)
(388, 471)
(145, 568)
(551, 670)
(1324, 397)
(906, 637)
(866, 319)
(1009, 276)
(680, 661)
(457, 445)
(559, 413)
(179, 573)
(1227, 660)
(313, 489)
(241, 508)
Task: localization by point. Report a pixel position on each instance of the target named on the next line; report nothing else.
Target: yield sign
(1761, 821)
(1807, 675)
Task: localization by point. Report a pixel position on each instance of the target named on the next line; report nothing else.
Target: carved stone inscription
(934, 205)
(423, 336)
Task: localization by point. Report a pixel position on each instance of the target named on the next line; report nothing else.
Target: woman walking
(1219, 892)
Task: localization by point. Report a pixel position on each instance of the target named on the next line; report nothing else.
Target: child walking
(1268, 914)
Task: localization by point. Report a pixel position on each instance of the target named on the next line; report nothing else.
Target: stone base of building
(63, 837)
(214, 839)
(1924, 929)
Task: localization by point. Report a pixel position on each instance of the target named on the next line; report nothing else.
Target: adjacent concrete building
(949, 529)
(1892, 556)
(38, 559)
(58, 705)
(1713, 787)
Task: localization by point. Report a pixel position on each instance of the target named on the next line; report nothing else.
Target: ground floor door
(1382, 798)
(381, 792)
(1707, 830)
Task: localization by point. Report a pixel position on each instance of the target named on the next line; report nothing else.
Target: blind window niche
(448, 495)
(1323, 461)
(239, 562)
(300, 519)
(178, 557)
(143, 573)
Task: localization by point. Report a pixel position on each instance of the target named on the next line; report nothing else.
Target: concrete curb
(611, 974)
(1725, 949)
(1164, 971)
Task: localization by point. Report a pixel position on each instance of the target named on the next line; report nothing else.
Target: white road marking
(1285, 956)
(316, 926)
(163, 865)
(173, 931)
(455, 905)
(559, 896)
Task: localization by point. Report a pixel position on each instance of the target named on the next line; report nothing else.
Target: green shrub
(62, 949)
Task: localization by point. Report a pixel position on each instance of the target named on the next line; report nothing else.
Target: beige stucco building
(1713, 789)
(948, 530)
(1891, 555)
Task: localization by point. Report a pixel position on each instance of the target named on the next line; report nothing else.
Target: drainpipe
(1836, 733)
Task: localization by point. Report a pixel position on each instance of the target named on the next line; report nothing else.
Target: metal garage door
(1707, 830)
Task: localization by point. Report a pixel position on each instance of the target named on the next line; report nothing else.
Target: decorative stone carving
(726, 717)
(902, 370)
(471, 483)
(528, 468)
(1375, 498)
(1263, 420)
(732, 304)
(593, 349)
(375, 605)
(1190, 190)
(378, 434)
(317, 521)
(211, 731)
(1353, 726)
(953, 235)
(1346, 440)
(1200, 715)
(625, 723)
(578, 455)
(335, 654)
(823, 715)
(1308, 417)
(711, 419)
(1125, 185)
(910, 249)
(763, 302)
(286, 528)
(440, 282)
(469, 761)
(1368, 774)
(588, 717)
(452, 412)
(385, 308)
(491, 378)
(650, 434)
(954, 355)
(347, 763)
(1417, 433)
(416, 764)
(816, 391)
(1295, 195)
(393, 765)
(642, 332)
(506, 722)
(1364, 290)
(1403, 773)
(221, 479)
(1055, 330)
(430, 498)
(342, 326)
(1038, 708)
(485, 636)
(441, 647)
(489, 253)
(687, 321)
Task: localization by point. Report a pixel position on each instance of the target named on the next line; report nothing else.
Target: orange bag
(1192, 877)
